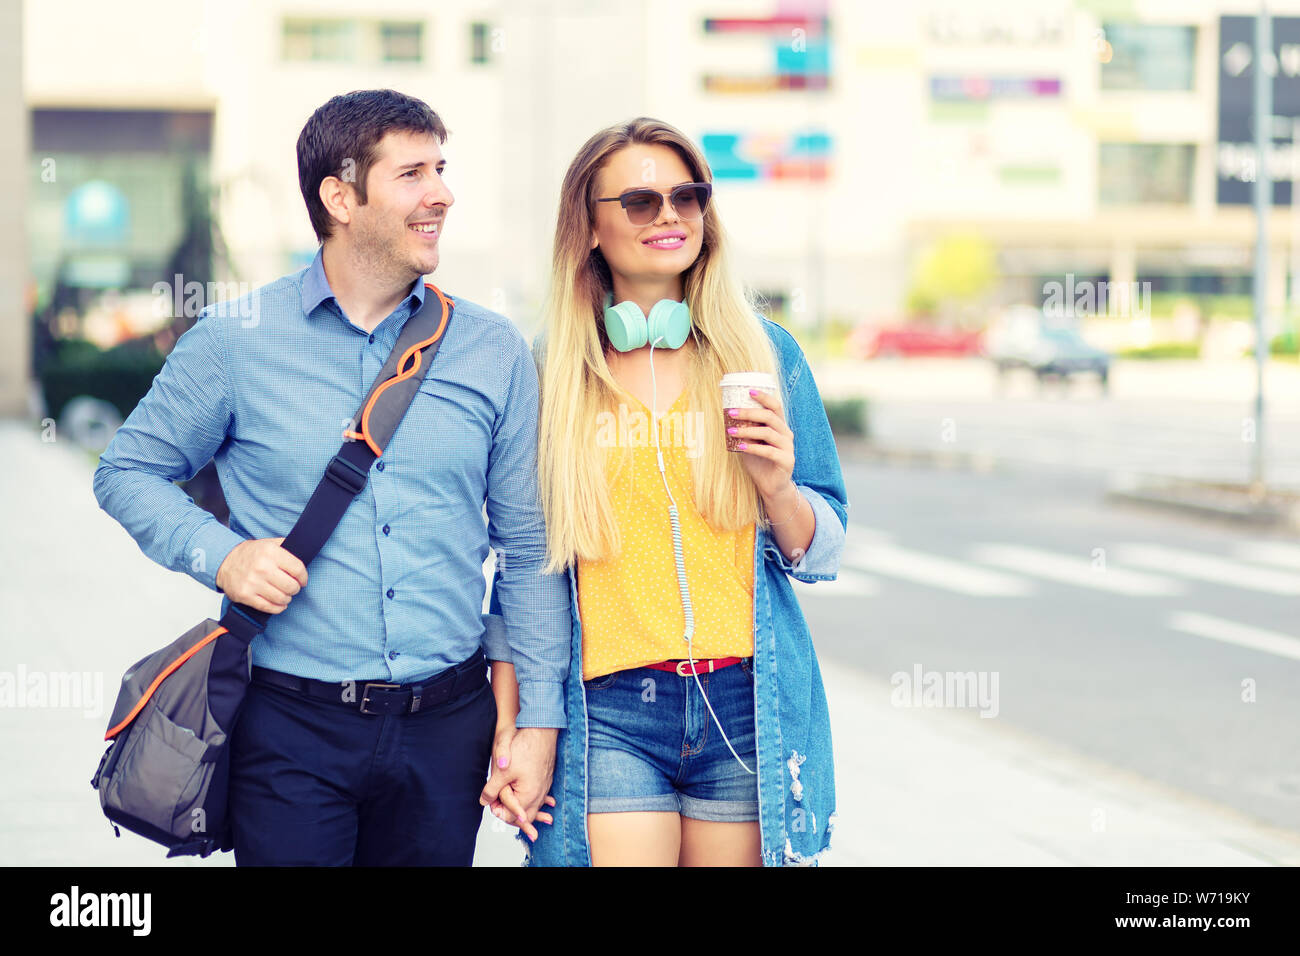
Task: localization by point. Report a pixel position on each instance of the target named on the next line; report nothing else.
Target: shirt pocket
(447, 435)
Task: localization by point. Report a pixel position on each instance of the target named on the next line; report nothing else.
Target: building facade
(1076, 137)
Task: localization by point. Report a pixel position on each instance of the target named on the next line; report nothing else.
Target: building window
(1148, 56)
(1145, 173)
(480, 43)
(320, 41)
(353, 41)
(401, 42)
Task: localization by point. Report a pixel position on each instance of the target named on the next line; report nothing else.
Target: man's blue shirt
(266, 386)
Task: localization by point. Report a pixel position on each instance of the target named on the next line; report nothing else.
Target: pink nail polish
(501, 762)
(732, 430)
(753, 393)
(741, 444)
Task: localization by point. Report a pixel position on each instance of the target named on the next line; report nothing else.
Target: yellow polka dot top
(630, 605)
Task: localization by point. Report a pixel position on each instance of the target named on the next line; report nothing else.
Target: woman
(727, 761)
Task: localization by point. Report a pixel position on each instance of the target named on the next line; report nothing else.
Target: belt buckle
(693, 668)
(365, 695)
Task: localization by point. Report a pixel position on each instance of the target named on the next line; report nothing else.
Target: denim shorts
(652, 744)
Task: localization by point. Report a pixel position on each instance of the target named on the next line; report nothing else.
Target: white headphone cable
(677, 555)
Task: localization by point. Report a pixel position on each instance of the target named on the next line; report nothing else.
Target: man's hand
(262, 575)
(523, 763)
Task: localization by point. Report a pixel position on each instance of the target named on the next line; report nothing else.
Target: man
(395, 596)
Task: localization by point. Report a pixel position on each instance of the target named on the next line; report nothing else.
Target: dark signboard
(1235, 161)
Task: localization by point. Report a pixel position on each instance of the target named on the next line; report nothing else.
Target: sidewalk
(930, 787)
(914, 787)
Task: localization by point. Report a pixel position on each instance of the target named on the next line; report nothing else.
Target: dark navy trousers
(313, 783)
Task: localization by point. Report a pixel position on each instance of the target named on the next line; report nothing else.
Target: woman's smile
(666, 240)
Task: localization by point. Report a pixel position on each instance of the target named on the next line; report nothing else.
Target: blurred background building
(876, 163)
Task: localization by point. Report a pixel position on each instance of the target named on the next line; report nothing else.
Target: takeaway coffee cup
(735, 394)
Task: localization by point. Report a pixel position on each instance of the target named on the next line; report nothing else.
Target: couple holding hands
(655, 698)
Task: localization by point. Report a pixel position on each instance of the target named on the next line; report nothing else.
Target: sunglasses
(643, 205)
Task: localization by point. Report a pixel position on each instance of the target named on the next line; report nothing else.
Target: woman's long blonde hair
(726, 336)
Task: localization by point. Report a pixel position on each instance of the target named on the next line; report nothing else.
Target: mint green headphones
(667, 327)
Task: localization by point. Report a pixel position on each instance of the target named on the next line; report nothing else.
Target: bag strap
(370, 430)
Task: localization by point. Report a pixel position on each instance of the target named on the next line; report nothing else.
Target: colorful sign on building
(768, 156)
(797, 41)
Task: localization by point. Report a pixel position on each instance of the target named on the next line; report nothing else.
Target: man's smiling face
(399, 227)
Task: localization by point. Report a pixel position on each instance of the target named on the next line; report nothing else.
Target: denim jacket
(796, 779)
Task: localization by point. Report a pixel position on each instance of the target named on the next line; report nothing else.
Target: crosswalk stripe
(1269, 552)
(1193, 564)
(922, 568)
(846, 583)
(1230, 632)
(1071, 569)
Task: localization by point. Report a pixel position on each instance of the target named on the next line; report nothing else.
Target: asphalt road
(1158, 643)
(1185, 419)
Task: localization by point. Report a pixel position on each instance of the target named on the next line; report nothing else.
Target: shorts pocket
(600, 683)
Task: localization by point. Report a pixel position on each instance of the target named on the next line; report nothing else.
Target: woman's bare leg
(710, 843)
(639, 838)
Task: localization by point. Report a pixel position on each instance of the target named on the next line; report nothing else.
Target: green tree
(953, 275)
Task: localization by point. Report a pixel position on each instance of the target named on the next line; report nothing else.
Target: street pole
(1263, 198)
(1294, 298)
(1293, 175)
(15, 149)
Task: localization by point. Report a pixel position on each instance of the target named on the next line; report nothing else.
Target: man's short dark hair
(342, 139)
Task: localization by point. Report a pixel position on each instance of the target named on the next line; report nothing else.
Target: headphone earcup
(625, 326)
(670, 321)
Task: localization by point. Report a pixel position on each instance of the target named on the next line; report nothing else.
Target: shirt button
(392, 655)
(390, 592)
(385, 529)
(372, 340)
(379, 465)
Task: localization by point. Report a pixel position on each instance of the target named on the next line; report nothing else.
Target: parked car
(1022, 339)
(885, 341)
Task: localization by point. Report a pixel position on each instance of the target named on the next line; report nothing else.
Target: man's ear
(337, 198)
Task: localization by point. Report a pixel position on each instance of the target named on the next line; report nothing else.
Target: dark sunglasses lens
(689, 201)
(642, 208)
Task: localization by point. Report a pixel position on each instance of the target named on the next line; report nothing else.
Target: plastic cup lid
(748, 380)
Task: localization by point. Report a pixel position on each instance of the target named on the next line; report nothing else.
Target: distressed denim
(796, 778)
(652, 743)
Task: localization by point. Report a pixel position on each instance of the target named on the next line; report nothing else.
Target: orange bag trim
(157, 681)
(403, 372)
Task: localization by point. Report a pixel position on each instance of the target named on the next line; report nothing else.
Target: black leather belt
(381, 698)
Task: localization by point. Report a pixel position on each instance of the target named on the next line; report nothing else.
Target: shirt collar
(316, 288)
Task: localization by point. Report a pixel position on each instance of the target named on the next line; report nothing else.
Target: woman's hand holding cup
(756, 428)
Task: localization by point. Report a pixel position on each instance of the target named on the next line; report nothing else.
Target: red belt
(702, 666)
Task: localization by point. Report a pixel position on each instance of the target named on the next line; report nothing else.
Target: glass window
(401, 42)
(1145, 173)
(480, 43)
(116, 196)
(322, 41)
(1148, 56)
